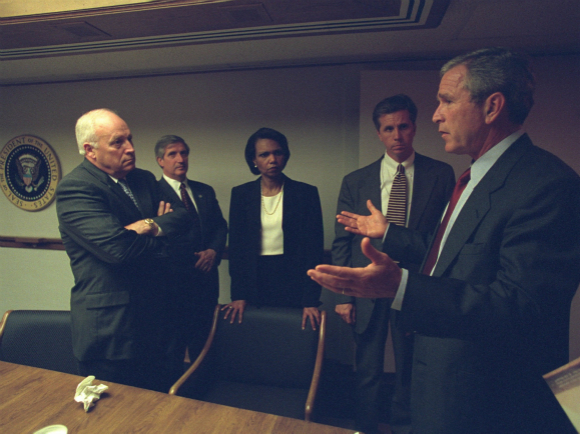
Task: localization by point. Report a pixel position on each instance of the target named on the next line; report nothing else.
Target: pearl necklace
(277, 202)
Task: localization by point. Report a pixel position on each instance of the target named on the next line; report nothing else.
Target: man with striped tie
(412, 191)
(490, 309)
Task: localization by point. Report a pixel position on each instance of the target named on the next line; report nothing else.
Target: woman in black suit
(275, 234)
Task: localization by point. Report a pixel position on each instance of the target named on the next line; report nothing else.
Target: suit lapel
(142, 194)
(478, 204)
(423, 186)
(112, 186)
(201, 206)
(199, 200)
(254, 213)
(372, 190)
(289, 206)
(169, 192)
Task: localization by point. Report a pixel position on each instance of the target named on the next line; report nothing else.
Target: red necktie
(434, 252)
(186, 199)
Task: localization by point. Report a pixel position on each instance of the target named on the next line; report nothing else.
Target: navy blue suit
(303, 242)
(196, 293)
(118, 301)
(495, 315)
(432, 187)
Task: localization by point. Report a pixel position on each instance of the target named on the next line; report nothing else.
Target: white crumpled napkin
(87, 393)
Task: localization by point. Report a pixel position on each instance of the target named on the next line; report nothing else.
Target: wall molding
(31, 243)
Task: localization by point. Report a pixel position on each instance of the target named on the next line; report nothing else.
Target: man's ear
(89, 152)
(160, 161)
(493, 106)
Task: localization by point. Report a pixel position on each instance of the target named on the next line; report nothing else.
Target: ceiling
(51, 41)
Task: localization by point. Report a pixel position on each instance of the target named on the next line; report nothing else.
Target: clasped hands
(379, 279)
(205, 260)
(144, 228)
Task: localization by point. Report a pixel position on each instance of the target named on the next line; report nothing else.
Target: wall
(317, 108)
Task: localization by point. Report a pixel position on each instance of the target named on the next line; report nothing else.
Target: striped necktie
(397, 209)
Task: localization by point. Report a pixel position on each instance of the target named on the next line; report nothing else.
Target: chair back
(39, 338)
(267, 363)
(269, 347)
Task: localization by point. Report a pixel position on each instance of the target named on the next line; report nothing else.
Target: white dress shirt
(272, 239)
(176, 185)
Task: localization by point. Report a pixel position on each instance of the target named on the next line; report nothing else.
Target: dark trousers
(197, 325)
(192, 306)
(370, 350)
(132, 372)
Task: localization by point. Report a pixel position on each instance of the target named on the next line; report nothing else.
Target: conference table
(33, 398)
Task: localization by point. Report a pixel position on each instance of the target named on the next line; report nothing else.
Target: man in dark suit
(491, 308)
(429, 184)
(195, 263)
(116, 235)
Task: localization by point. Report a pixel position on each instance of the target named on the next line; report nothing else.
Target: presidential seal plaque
(29, 172)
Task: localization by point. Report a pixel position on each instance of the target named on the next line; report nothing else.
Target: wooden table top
(32, 398)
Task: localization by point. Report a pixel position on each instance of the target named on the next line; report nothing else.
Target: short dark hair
(165, 141)
(265, 133)
(499, 69)
(394, 104)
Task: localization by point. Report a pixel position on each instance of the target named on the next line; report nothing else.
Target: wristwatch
(151, 223)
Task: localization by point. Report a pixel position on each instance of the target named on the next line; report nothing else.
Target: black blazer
(117, 273)
(432, 187)
(303, 238)
(495, 315)
(214, 232)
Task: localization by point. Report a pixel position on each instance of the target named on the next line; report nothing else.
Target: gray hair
(491, 70)
(165, 141)
(86, 131)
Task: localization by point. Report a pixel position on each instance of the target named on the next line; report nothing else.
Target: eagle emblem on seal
(27, 166)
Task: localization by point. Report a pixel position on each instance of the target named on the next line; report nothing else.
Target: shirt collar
(391, 165)
(481, 166)
(174, 183)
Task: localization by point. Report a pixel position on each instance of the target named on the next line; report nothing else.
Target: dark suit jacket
(303, 238)
(214, 231)
(495, 315)
(116, 271)
(432, 187)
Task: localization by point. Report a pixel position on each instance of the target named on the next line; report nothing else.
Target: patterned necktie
(127, 190)
(186, 199)
(397, 209)
(434, 252)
